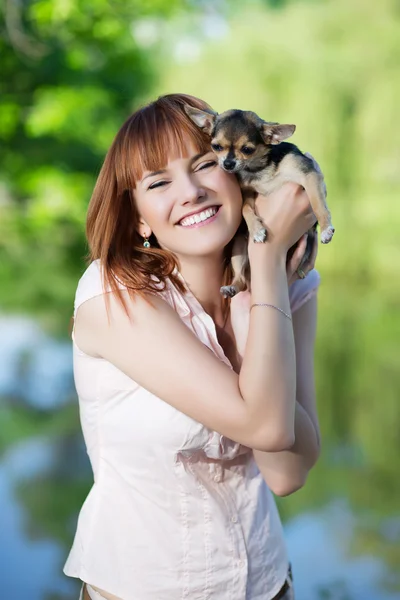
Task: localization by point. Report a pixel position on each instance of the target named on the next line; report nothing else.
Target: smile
(202, 218)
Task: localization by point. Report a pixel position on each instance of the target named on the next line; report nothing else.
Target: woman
(185, 443)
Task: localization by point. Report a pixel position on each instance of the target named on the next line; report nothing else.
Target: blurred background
(71, 71)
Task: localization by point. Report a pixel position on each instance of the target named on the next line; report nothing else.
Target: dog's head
(239, 138)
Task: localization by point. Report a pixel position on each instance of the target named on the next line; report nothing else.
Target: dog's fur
(254, 149)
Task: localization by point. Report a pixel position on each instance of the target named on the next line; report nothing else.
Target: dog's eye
(216, 147)
(247, 150)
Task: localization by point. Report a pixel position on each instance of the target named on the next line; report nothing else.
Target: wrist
(267, 253)
(268, 275)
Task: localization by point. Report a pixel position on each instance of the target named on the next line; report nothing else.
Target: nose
(190, 191)
(229, 164)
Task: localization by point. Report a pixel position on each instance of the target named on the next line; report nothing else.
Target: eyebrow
(154, 173)
(193, 159)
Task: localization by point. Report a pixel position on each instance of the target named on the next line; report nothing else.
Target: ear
(202, 118)
(143, 228)
(273, 133)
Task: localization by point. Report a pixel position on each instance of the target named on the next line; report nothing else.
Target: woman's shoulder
(91, 273)
(92, 284)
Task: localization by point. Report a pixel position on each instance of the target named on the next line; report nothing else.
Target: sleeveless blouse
(176, 511)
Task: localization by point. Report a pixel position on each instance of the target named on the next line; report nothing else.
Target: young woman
(193, 407)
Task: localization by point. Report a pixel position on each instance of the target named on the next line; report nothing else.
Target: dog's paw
(327, 234)
(260, 235)
(228, 291)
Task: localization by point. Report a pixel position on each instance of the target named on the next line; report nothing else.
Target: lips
(197, 212)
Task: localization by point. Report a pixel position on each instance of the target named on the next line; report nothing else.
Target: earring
(146, 242)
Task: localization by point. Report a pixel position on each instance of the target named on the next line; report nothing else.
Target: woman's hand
(293, 263)
(287, 215)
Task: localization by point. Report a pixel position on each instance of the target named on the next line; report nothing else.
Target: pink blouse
(176, 511)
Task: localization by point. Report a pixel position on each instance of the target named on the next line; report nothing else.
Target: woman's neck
(204, 279)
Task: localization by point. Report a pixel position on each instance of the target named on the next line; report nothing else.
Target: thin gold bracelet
(272, 306)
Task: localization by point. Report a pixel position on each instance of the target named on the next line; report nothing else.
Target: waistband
(88, 593)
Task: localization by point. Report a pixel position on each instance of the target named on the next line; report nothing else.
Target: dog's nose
(229, 164)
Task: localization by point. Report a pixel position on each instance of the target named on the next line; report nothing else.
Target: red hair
(146, 141)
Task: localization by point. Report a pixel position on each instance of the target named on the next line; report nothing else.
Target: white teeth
(203, 216)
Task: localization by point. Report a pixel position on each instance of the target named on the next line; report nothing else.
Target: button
(234, 519)
(240, 563)
(217, 478)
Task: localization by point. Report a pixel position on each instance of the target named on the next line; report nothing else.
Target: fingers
(310, 263)
(299, 252)
(306, 208)
(295, 260)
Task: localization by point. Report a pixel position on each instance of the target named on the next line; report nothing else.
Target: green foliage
(71, 74)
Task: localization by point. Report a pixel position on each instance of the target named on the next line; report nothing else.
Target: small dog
(254, 149)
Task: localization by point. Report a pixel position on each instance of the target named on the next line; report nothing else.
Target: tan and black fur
(254, 150)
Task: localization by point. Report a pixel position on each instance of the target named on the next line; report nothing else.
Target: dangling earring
(146, 242)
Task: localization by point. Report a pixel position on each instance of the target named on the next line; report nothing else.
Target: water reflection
(320, 544)
(29, 564)
(34, 369)
(338, 553)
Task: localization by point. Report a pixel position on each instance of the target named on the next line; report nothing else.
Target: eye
(209, 163)
(216, 147)
(247, 150)
(157, 184)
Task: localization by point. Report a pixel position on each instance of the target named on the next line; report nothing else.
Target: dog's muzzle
(229, 164)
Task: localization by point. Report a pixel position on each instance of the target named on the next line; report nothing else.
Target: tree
(71, 73)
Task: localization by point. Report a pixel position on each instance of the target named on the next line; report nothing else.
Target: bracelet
(272, 306)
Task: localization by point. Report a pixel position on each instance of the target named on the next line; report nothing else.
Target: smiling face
(191, 205)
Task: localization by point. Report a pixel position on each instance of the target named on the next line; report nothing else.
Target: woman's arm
(157, 350)
(286, 471)
(153, 347)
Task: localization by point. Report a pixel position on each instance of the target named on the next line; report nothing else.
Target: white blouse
(176, 511)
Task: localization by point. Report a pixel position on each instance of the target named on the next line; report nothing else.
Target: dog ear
(274, 133)
(202, 118)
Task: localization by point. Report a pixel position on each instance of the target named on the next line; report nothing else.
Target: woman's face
(195, 186)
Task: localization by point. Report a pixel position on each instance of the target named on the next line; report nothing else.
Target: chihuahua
(254, 150)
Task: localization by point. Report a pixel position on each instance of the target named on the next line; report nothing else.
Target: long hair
(144, 142)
